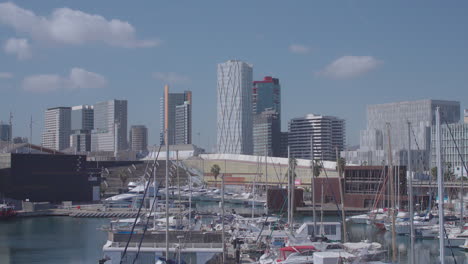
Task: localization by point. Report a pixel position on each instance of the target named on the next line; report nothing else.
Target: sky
(332, 57)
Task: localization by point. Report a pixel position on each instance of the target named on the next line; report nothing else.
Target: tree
(341, 164)
(434, 173)
(292, 166)
(317, 167)
(123, 178)
(448, 173)
(103, 188)
(215, 170)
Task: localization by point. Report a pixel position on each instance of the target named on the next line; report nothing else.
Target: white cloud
(171, 77)
(19, 47)
(70, 26)
(299, 49)
(80, 79)
(6, 75)
(77, 79)
(349, 67)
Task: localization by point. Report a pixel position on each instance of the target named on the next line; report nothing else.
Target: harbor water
(61, 240)
(53, 240)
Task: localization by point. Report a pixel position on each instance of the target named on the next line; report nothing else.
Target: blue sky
(332, 57)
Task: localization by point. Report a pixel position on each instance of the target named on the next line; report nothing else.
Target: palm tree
(317, 167)
(215, 170)
(341, 165)
(123, 178)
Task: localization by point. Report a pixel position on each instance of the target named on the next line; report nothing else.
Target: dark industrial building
(48, 178)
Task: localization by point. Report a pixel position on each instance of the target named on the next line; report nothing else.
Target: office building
(80, 141)
(82, 123)
(449, 152)
(57, 128)
(168, 104)
(284, 144)
(5, 132)
(110, 126)
(82, 117)
(328, 133)
(465, 116)
(138, 138)
(183, 124)
(421, 114)
(234, 108)
(266, 94)
(266, 133)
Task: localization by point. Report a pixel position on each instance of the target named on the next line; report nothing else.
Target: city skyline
(389, 57)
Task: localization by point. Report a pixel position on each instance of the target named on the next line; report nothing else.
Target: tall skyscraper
(328, 133)
(374, 140)
(266, 109)
(57, 128)
(138, 138)
(110, 126)
(168, 105)
(183, 124)
(234, 122)
(5, 132)
(82, 117)
(266, 94)
(266, 134)
(82, 123)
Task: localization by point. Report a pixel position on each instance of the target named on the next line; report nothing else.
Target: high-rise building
(465, 116)
(5, 132)
(234, 108)
(284, 144)
(82, 123)
(168, 105)
(328, 133)
(110, 126)
(183, 124)
(138, 138)
(57, 128)
(421, 114)
(82, 117)
(266, 133)
(450, 147)
(80, 140)
(266, 94)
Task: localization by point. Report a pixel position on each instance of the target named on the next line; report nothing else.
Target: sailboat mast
(462, 217)
(167, 195)
(321, 210)
(392, 194)
(289, 188)
(266, 170)
(312, 187)
(222, 213)
(440, 183)
(340, 180)
(411, 203)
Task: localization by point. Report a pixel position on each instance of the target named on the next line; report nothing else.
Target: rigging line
(450, 246)
(431, 184)
(334, 198)
(139, 209)
(380, 187)
(455, 143)
(146, 226)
